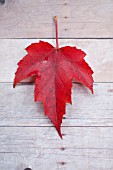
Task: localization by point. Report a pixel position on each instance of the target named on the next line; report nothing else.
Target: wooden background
(27, 137)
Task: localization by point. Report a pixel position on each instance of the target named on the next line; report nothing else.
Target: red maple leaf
(54, 68)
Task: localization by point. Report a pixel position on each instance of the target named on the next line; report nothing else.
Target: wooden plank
(99, 56)
(77, 19)
(17, 107)
(83, 148)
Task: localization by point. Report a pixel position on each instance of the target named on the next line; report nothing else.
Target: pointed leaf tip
(59, 131)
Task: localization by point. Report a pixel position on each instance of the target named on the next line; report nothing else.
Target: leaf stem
(56, 27)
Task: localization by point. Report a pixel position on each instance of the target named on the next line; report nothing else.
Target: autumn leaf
(54, 68)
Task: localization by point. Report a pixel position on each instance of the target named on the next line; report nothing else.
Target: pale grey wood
(99, 56)
(27, 137)
(41, 148)
(17, 106)
(34, 19)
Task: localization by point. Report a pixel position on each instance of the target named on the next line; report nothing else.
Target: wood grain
(17, 107)
(83, 148)
(77, 19)
(99, 56)
(27, 137)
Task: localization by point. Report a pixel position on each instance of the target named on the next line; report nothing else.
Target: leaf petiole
(56, 27)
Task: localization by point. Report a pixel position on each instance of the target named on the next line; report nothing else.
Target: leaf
(54, 68)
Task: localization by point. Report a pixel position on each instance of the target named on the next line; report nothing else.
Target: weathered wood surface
(27, 137)
(77, 18)
(99, 56)
(40, 148)
(17, 107)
